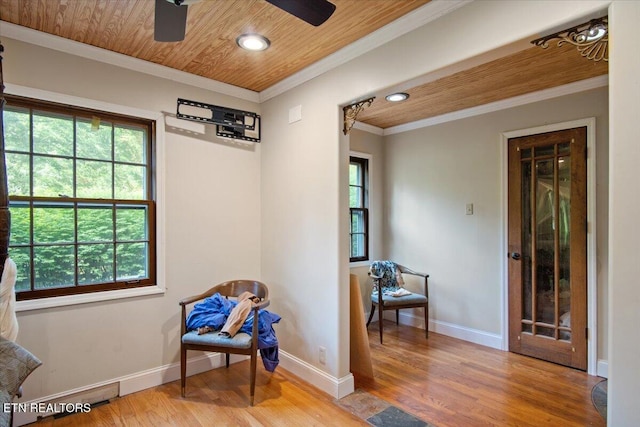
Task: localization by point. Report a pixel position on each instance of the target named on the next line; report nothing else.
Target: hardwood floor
(219, 398)
(442, 380)
(448, 382)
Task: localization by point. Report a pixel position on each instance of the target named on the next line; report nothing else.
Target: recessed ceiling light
(253, 42)
(397, 97)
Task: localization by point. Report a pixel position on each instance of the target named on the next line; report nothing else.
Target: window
(81, 199)
(359, 208)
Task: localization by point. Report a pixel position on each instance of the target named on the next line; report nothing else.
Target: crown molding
(516, 101)
(401, 26)
(368, 128)
(72, 47)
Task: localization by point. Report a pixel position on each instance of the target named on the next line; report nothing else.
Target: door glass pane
(526, 242)
(564, 218)
(545, 241)
(547, 150)
(547, 332)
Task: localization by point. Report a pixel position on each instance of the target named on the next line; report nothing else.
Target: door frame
(592, 289)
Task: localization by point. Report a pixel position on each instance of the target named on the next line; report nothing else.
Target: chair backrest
(385, 274)
(234, 288)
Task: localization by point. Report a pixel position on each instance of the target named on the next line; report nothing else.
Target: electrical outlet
(322, 355)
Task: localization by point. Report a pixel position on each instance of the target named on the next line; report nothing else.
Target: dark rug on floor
(394, 417)
(378, 412)
(599, 398)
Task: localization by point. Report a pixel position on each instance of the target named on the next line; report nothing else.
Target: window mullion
(114, 227)
(32, 264)
(115, 242)
(76, 280)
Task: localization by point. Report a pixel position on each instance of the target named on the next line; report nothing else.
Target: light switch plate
(469, 208)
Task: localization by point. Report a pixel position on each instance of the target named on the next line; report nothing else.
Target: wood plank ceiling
(209, 48)
(524, 72)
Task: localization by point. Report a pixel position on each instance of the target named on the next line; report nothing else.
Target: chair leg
(426, 321)
(380, 316)
(227, 359)
(252, 378)
(397, 317)
(373, 310)
(183, 369)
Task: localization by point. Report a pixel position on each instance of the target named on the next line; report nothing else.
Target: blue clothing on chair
(386, 273)
(213, 312)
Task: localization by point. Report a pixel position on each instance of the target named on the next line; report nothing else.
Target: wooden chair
(241, 343)
(386, 276)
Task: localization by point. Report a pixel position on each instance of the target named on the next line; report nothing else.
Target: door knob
(515, 256)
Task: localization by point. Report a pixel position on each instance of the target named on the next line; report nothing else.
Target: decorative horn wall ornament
(591, 39)
(351, 113)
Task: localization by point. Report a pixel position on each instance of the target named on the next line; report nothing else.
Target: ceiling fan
(171, 15)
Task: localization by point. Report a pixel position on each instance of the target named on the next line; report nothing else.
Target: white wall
(212, 230)
(300, 209)
(433, 172)
(624, 208)
(304, 252)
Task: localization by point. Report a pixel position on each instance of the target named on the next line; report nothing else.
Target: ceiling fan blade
(170, 22)
(315, 12)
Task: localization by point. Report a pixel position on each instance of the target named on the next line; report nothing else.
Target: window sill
(37, 304)
(359, 264)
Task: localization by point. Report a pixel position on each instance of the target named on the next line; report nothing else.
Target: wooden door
(548, 246)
